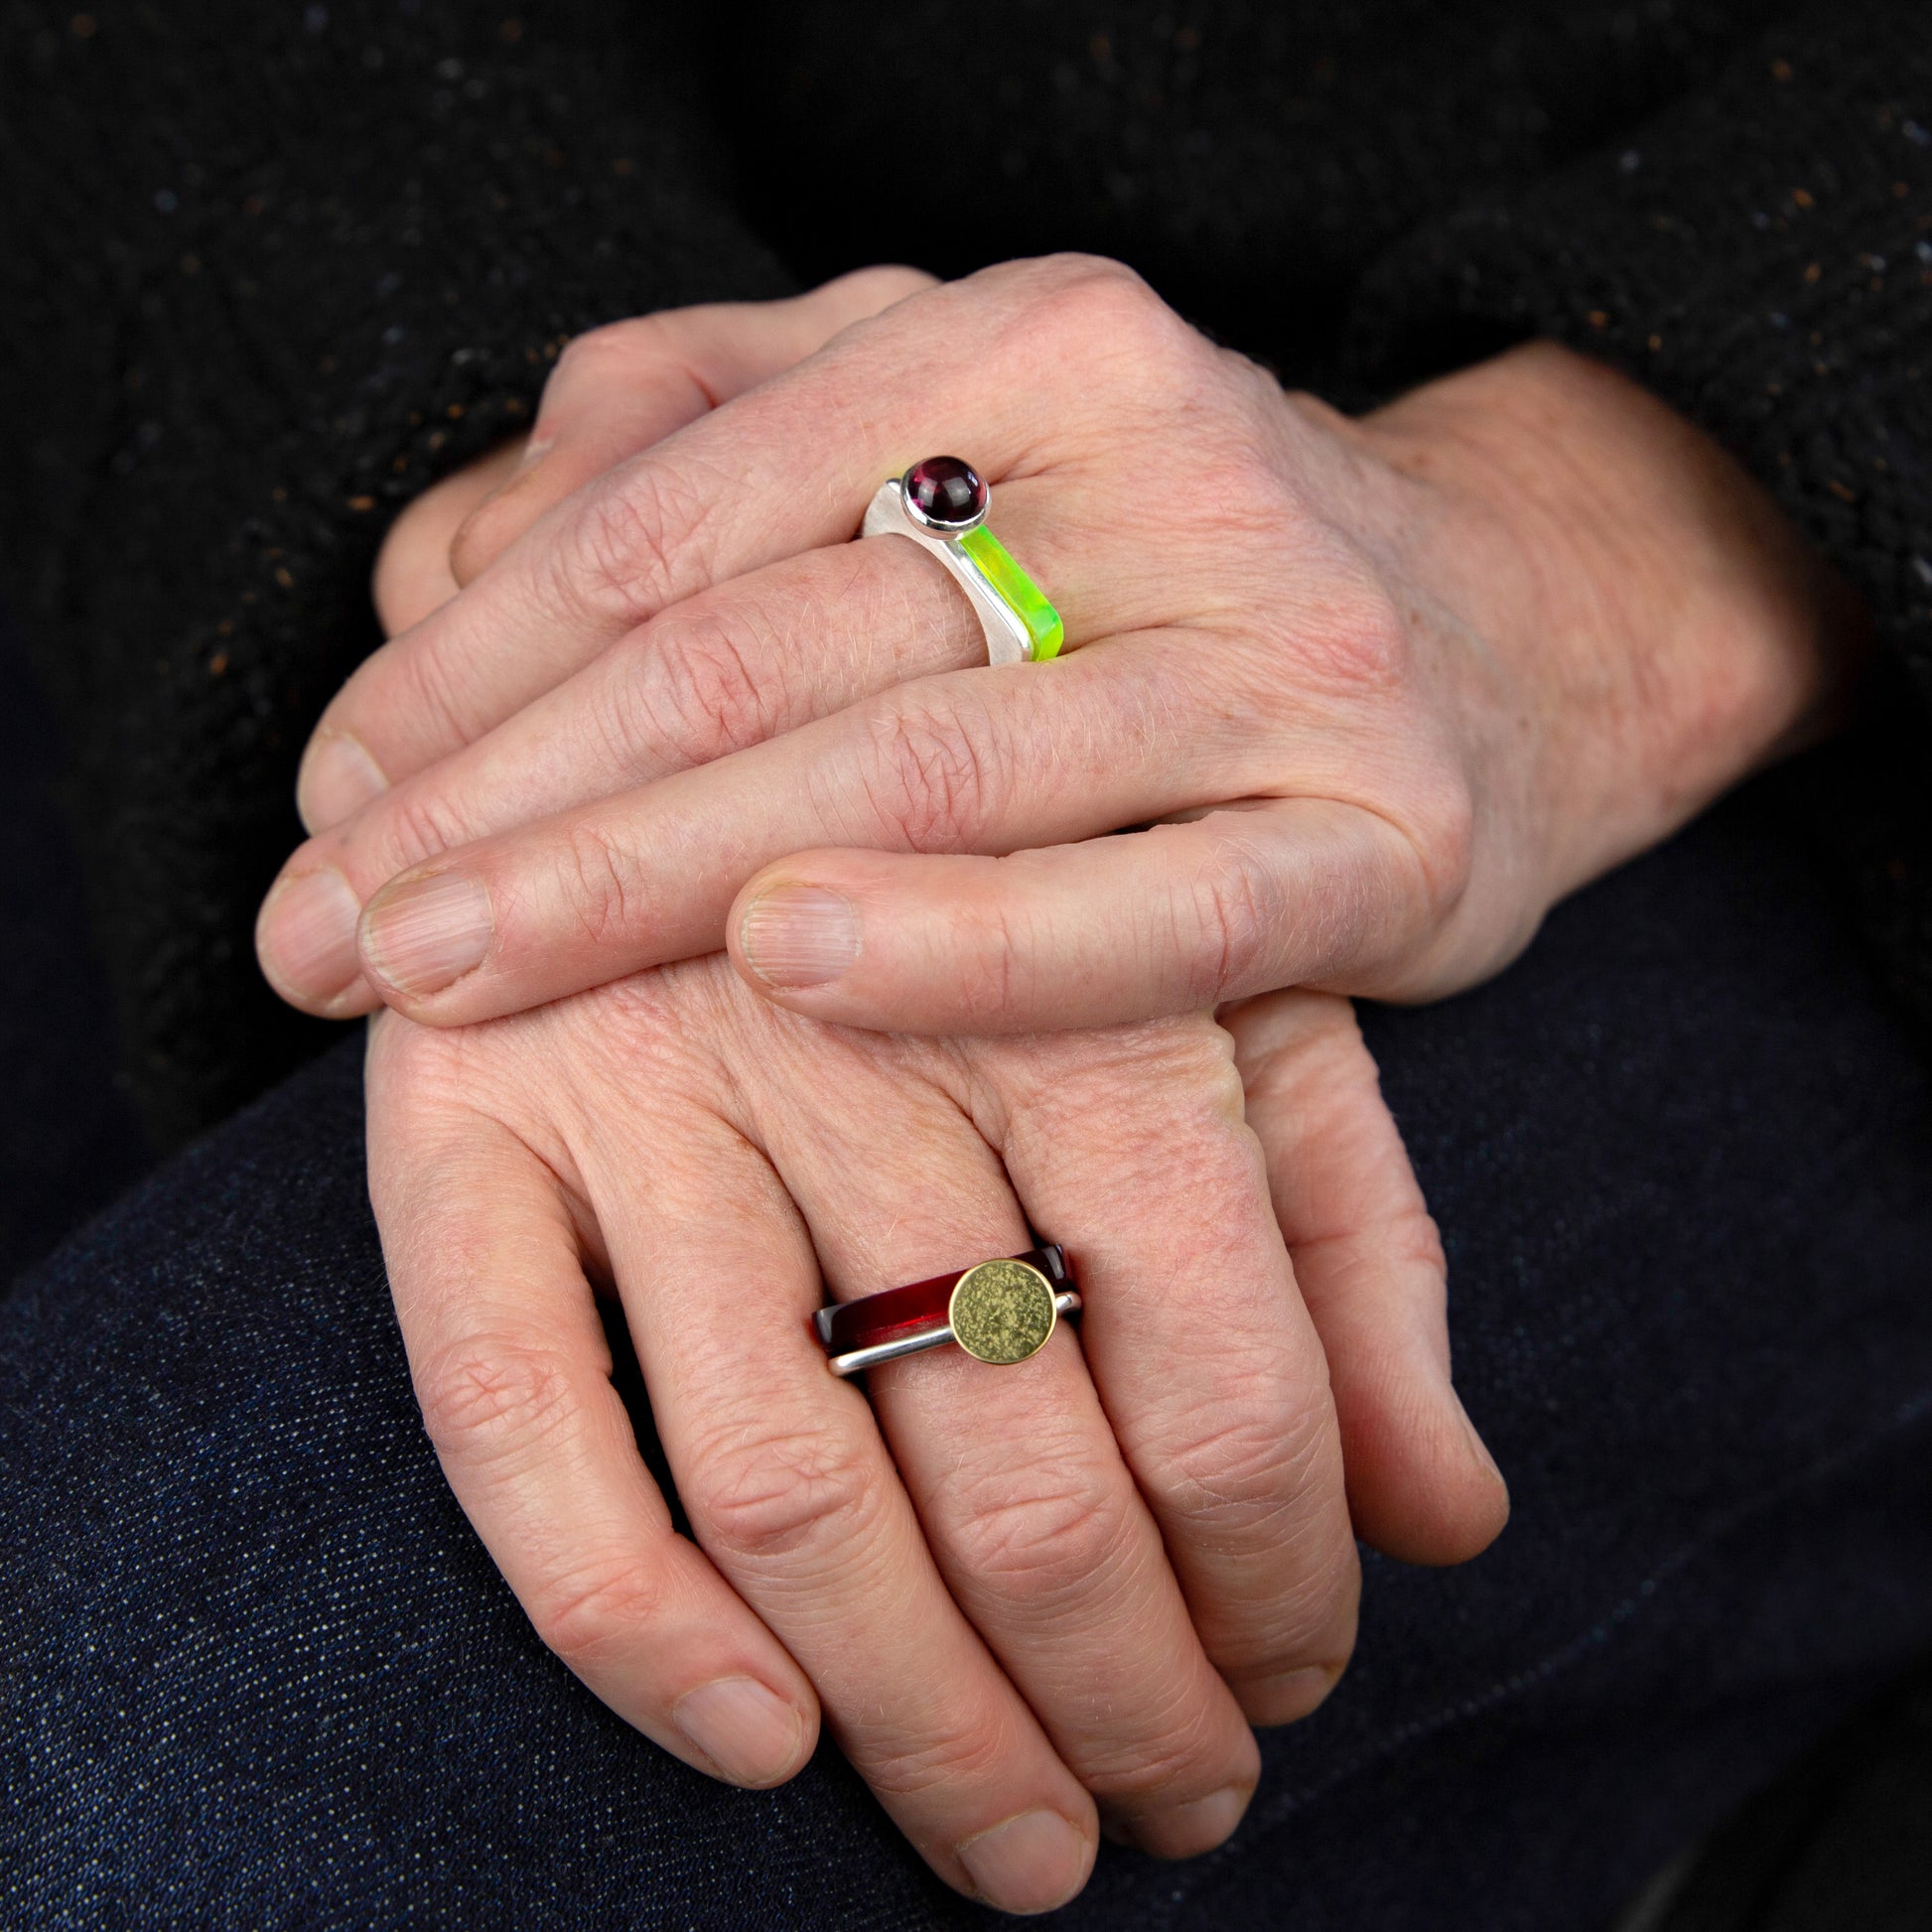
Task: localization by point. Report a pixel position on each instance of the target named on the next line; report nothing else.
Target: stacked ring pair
(1001, 1312)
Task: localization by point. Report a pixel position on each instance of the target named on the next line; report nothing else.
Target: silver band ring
(941, 504)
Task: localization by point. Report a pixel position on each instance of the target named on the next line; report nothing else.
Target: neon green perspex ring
(941, 504)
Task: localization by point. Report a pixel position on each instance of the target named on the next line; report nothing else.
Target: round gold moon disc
(1002, 1312)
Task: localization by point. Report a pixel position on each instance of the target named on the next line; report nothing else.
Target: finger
(1132, 1148)
(1421, 1485)
(973, 761)
(1033, 1518)
(785, 467)
(790, 1490)
(1111, 930)
(618, 390)
(412, 569)
(512, 1371)
(669, 370)
(750, 659)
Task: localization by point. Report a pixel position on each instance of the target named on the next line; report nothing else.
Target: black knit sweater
(268, 269)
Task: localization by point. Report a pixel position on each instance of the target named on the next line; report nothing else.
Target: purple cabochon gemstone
(945, 490)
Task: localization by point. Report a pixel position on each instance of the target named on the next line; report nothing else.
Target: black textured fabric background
(68, 1140)
(269, 269)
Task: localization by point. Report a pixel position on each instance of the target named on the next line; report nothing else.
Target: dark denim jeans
(259, 1673)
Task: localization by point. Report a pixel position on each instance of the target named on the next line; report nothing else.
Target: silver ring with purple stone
(941, 504)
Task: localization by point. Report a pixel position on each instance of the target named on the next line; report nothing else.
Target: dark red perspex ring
(1007, 1312)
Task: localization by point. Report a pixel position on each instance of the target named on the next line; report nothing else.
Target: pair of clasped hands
(745, 937)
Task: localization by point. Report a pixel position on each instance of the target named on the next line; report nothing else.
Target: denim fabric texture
(259, 1673)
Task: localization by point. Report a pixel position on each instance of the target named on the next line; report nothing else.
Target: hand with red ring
(512, 1163)
(1025, 1601)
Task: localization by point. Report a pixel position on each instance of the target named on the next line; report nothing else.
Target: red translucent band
(897, 1312)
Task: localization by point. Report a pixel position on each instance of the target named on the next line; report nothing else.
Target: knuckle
(984, 965)
(1107, 309)
(1104, 1073)
(959, 1756)
(600, 1604)
(432, 682)
(482, 536)
(1149, 1772)
(1410, 1239)
(1309, 1621)
(595, 873)
(600, 352)
(931, 781)
(630, 546)
(1243, 1474)
(1356, 642)
(492, 1397)
(419, 822)
(425, 1078)
(763, 1493)
(1434, 827)
(706, 687)
(1237, 912)
(1050, 1544)
(1447, 836)
(1086, 290)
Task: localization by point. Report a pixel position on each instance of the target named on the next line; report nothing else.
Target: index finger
(785, 467)
(619, 390)
(512, 1371)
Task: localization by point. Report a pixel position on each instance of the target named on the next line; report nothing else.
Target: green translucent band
(1020, 595)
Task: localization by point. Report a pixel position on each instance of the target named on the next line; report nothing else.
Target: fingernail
(307, 940)
(535, 451)
(422, 933)
(1476, 1444)
(1186, 1831)
(751, 1734)
(800, 935)
(1289, 1698)
(1028, 1864)
(337, 779)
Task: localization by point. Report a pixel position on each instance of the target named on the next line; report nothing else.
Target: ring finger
(1035, 1519)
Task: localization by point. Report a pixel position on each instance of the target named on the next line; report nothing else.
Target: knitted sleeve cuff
(1760, 255)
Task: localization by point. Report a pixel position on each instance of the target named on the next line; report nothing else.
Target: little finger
(1421, 1485)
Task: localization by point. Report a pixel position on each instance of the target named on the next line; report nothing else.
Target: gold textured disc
(1002, 1312)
